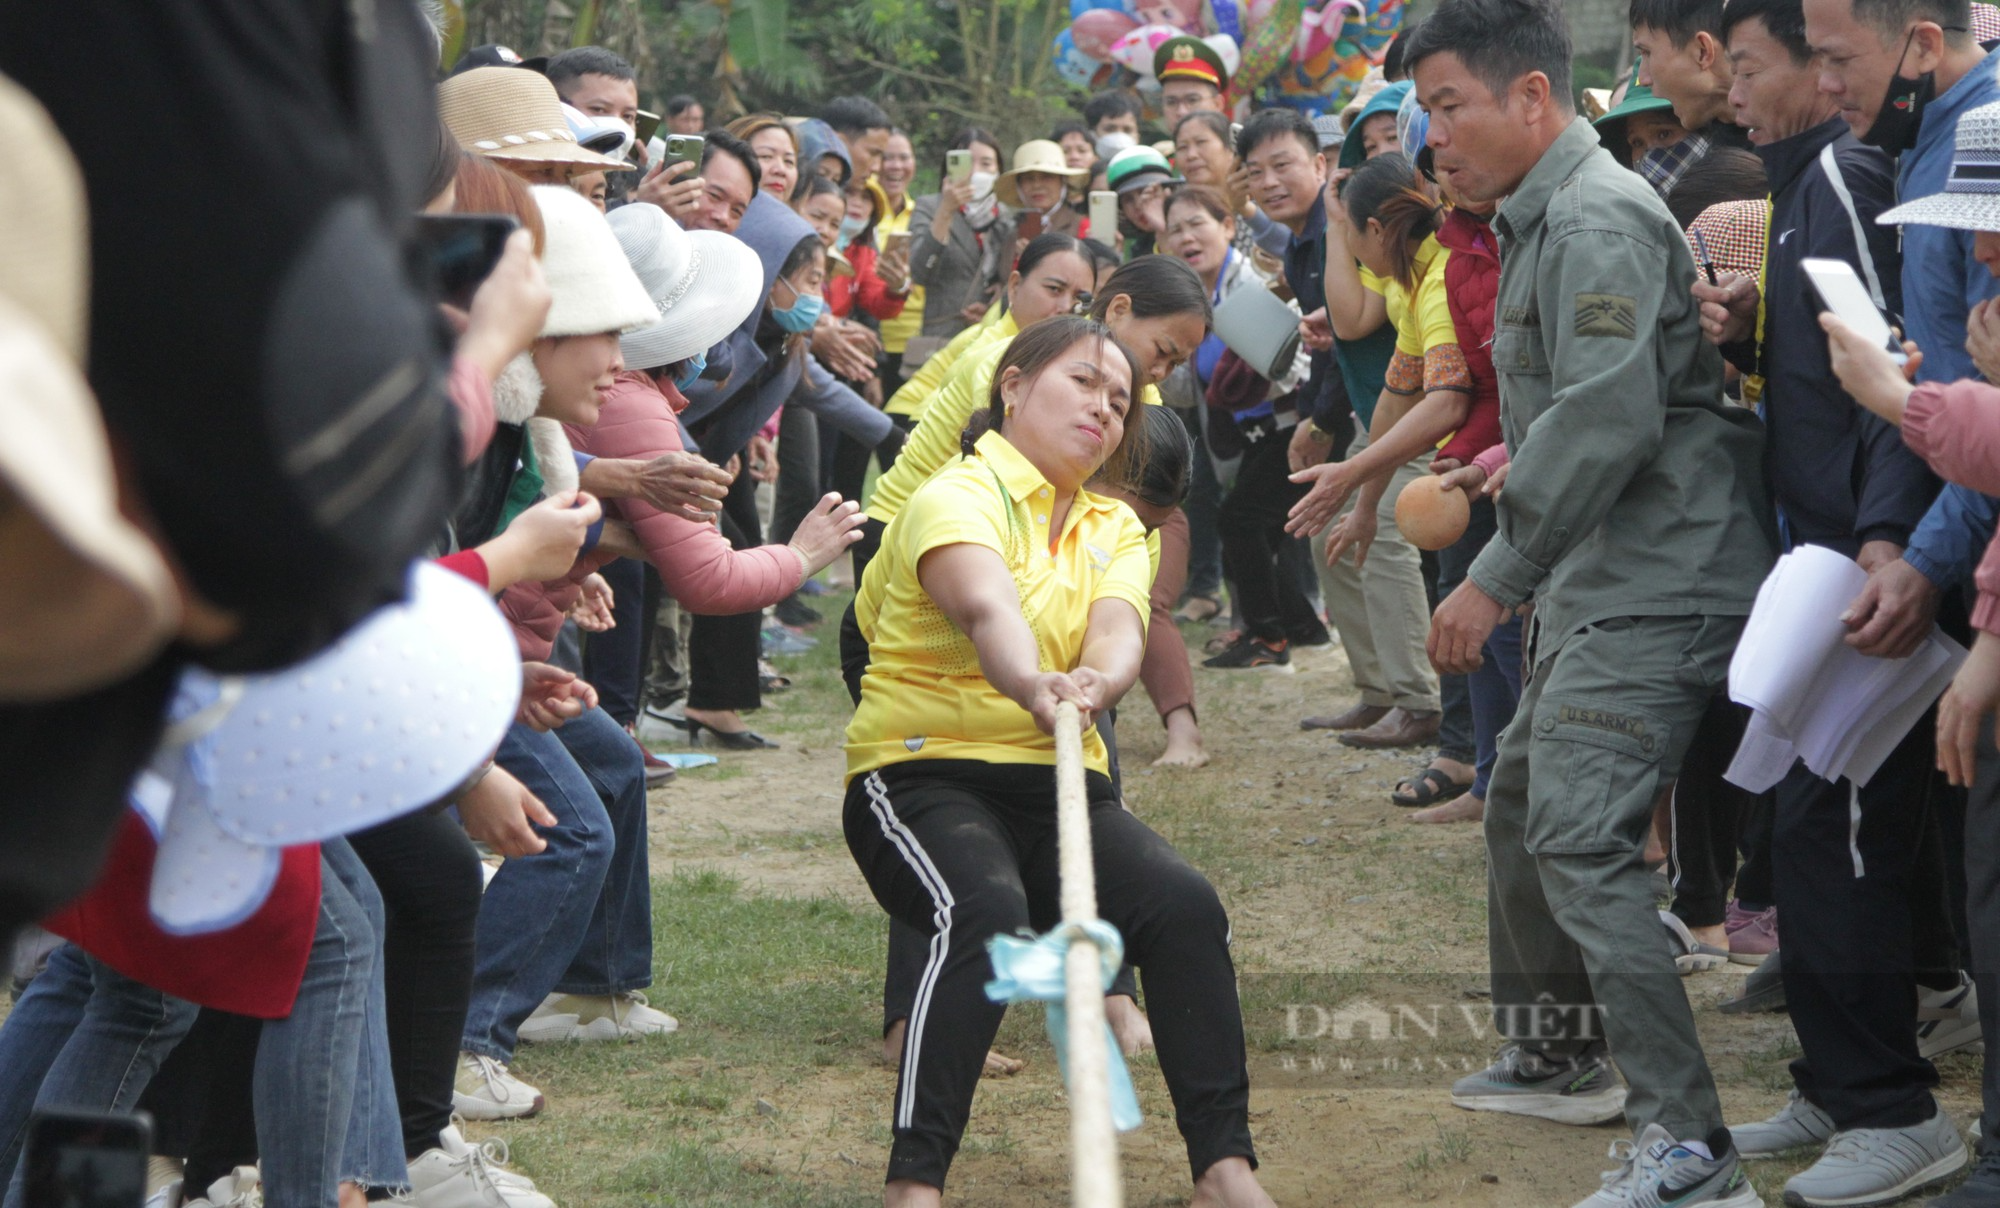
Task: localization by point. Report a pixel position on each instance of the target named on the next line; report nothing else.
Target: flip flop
(1431, 786)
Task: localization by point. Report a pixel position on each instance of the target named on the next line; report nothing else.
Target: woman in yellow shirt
(1155, 305)
(1054, 272)
(1003, 588)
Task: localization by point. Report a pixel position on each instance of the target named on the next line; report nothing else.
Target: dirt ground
(1340, 909)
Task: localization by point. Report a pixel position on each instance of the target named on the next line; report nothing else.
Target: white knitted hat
(1970, 199)
(592, 288)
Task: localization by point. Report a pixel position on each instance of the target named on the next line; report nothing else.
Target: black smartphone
(462, 250)
(79, 1159)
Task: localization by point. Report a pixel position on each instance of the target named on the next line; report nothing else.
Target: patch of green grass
(768, 990)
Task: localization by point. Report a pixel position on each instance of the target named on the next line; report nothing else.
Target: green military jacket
(1636, 489)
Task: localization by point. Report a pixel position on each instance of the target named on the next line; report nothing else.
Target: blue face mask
(691, 371)
(849, 228)
(801, 314)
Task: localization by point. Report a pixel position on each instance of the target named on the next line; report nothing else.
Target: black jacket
(1842, 476)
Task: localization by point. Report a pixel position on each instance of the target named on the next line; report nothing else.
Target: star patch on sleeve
(1613, 315)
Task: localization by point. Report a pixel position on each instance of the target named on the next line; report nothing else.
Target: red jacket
(864, 286)
(1472, 290)
(695, 561)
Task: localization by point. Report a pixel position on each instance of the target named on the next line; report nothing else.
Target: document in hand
(1813, 696)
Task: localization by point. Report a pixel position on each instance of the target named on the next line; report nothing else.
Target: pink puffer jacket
(695, 561)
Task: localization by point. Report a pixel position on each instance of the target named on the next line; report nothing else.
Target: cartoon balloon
(1096, 30)
(1270, 41)
(1320, 25)
(1225, 47)
(1372, 35)
(1230, 18)
(1072, 65)
(1256, 12)
(1183, 15)
(1135, 49)
(1079, 7)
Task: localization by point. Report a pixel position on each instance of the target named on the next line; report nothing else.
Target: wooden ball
(1432, 515)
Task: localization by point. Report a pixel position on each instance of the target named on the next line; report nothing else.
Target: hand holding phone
(462, 250)
(958, 165)
(1840, 290)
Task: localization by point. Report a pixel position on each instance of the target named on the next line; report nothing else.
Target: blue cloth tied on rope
(1031, 970)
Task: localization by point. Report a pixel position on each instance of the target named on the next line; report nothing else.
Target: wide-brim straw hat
(506, 113)
(1971, 197)
(1035, 155)
(703, 284)
(56, 459)
(592, 287)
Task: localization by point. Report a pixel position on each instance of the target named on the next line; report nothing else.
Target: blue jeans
(82, 1036)
(373, 1155)
(306, 1089)
(1204, 539)
(577, 917)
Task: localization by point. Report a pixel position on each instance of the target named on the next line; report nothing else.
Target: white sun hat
(703, 284)
(1971, 197)
(391, 718)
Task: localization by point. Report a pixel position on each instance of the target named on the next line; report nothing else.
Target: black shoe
(1982, 1190)
(1314, 634)
(797, 613)
(1252, 652)
(733, 740)
(1763, 990)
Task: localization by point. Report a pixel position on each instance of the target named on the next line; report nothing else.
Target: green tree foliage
(935, 65)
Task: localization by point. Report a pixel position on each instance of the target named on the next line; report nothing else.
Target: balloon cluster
(1304, 54)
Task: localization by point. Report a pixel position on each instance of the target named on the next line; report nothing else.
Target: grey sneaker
(1797, 1125)
(1864, 1166)
(1656, 1171)
(1947, 1020)
(1579, 1090)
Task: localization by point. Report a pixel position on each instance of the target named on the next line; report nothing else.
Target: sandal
(1431, 786)
(1198, 609)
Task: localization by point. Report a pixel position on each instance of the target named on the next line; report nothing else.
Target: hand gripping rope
(1070, 968)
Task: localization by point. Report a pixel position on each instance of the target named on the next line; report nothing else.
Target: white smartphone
(1840, 290)
(1104, 217)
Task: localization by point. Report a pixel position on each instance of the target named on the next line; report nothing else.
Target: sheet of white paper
(1813, 696)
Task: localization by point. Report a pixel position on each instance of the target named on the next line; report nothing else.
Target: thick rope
(1094, 1179)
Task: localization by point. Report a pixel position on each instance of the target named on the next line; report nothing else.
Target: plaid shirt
(1663, 167)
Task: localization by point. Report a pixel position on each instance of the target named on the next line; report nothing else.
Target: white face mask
(982, 185)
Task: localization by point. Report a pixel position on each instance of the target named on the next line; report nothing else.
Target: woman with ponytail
(1039, 588)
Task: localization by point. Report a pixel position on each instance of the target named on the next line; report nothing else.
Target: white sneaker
(240, 1188)
(1879, 1165)
(163, 1182)
(1947, 1020)
(485, 1090)
(1655, 1171)
(1798, 1125)
(458, 1175)
(596, 1017)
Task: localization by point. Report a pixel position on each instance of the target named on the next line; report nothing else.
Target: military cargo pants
(1577, 950)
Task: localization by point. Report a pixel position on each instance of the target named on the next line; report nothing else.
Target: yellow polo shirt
(915, 394)
(933, 444)
(896, 332)
(923, 696)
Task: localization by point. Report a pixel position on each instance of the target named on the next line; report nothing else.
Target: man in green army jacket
(1637, 521)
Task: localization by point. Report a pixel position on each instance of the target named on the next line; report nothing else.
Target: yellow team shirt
(896, 332)
(916, 393)
(934, 442)
(1420, 314)
(923, 696)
